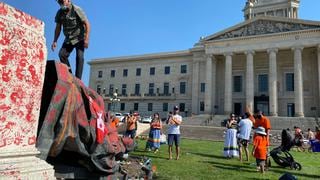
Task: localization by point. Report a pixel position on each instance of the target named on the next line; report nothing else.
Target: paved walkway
(192, 131)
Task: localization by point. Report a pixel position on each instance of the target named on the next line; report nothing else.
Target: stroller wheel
(296, 166)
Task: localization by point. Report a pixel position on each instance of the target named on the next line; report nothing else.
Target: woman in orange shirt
(259, 150)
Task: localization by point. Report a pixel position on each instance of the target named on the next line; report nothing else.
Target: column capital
(252, 52)
(271, 50)
(228, 54)
(300, 48)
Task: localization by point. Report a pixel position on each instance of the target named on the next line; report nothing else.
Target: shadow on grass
(280, 169)
(251, 169)
(208, 155)
(238, 167)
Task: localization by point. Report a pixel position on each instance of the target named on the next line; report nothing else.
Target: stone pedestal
(22, 67)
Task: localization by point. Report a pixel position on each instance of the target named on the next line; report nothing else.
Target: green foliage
(204, 160)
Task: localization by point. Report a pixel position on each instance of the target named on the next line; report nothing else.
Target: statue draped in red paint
(73, 127)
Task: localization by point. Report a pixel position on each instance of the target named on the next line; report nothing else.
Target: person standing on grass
(174, 132)
(131, 126)
(230, 143)
(245, 126)
(259, 150)
(310, 135)
(262, 120)
(154, 134)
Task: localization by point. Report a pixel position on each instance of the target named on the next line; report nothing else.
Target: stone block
(23, 56)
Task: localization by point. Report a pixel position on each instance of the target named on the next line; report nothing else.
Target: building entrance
(262, 103)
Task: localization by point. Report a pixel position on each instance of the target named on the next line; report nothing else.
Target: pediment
(264, 26)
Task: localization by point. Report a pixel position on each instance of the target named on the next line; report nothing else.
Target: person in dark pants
(76, 29)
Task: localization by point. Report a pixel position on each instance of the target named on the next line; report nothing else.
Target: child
(259, 150)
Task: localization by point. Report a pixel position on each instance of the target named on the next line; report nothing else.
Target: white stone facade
(267, 63)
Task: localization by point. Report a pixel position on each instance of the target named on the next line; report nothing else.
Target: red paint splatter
(6, 56)
(20, 69)
(51, 115)
(7, 36)
(3, 119)
(2, 94)
(4, 107)
(3, 9)
(32, 140)
(9, 125)
(2, 26)
(6, 75)
(18, 140)
(24, 43)
(29, 116)
(35, 78)
(17, 96)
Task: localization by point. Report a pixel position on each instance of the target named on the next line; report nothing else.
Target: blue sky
(130, 27)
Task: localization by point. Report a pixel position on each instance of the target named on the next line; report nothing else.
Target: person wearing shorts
(245, 126)
(174, 132)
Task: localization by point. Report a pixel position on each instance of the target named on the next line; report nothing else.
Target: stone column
(195, 86)
(273, 95)
(22, 67)
(249, 81)
(318, 77)
(214, 74)
(298, 85)
(208, 91)
(228, 84)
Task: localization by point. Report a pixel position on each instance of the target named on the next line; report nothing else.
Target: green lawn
(203, 160)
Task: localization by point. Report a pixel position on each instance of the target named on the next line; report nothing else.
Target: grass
(203, 160)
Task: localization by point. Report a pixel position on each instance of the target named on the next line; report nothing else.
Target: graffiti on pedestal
(22, 66)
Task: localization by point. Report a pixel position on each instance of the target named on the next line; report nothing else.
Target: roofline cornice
(141, 57)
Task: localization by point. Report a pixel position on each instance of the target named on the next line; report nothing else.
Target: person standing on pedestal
(76, 29)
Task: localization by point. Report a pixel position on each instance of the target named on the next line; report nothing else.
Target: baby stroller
(281, 154)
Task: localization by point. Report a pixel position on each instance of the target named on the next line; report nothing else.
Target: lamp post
(114, 99)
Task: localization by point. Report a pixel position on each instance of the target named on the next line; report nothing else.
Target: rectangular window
(136, 106)
(138, 72)
(166, 88)
(100, 74)
(124, 89)
(203, 87)
(237, 83)
(98, 88)
(167, 70)
(290, 82)
(149, 106)
(151, 88)
(122, 106)
(182, 106)
(125, 72)
(111, 89)
(113, 73)
(152, 71)
(263, 83)
(137, 89)
(201, 106)
(183, 87)
(183, 69)
(165, 107)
